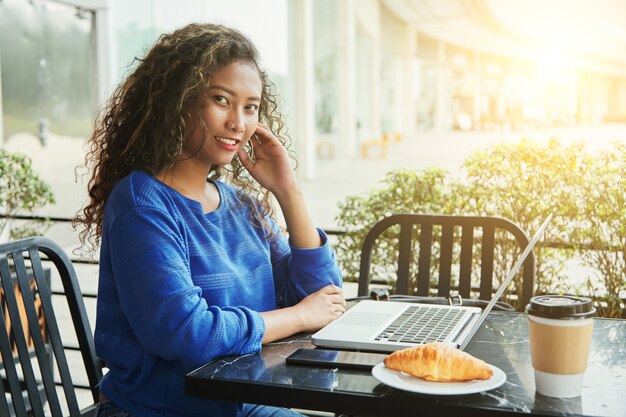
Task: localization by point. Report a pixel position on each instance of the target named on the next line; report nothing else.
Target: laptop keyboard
(422, 324)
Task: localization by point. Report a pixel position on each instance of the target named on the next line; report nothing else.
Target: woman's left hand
(271, 167)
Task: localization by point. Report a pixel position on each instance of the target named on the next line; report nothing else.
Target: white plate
(411, 383)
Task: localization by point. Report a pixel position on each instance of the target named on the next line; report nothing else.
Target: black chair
(447, 224)
(30, 335)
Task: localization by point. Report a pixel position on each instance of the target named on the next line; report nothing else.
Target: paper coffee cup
(560, 329)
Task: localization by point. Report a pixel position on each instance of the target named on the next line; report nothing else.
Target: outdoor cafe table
(502, 341)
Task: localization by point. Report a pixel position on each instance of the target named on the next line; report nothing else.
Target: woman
(192, 268)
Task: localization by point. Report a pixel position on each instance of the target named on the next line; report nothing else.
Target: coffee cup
(560, 328)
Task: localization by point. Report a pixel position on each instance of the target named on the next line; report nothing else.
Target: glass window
(47, 69)
(48, 92)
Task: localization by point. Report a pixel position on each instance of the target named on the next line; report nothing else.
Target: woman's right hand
(320, 308)
(310, 314)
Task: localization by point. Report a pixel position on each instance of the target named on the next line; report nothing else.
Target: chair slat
(54, 339)
(528, 284)
(6, 350)
(425, 255)
(465, 267)
(18, 333)
(4, 402)
(404, 258)
(366, 261)
(445, 263)
(486, 263)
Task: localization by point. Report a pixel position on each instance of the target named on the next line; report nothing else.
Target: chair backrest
(448, 224)
(30, 334)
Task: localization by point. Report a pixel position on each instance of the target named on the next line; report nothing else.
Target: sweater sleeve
(299, 272)
(164, 308)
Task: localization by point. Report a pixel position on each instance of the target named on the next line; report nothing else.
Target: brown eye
(221, 100)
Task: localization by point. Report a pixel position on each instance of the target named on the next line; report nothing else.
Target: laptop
(384, 326)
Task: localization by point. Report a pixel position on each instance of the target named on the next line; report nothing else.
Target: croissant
(438, 362)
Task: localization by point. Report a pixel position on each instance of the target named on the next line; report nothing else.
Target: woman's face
(230, 115)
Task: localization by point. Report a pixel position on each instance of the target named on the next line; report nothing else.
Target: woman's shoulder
(139, 195)
(138, 189)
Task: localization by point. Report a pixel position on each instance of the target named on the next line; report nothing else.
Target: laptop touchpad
(364, 319)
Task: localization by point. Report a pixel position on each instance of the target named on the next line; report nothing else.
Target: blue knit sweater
(179, 288)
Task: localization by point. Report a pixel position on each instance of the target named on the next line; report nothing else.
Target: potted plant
(21, 192)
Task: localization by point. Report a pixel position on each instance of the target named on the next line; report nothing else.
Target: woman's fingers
(335, 296)
(245, 159)
(323, 306)
(263, 134)
(262, 130)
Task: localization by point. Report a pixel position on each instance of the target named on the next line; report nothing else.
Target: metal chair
(30, 334)
(446, 244)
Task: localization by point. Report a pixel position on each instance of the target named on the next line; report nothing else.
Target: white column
(346, 22)
(407, 86)
(304, 99)
(1, 109)
(477, 96)
(104, 47)
(375, 84)
(440, 97)
(400, 90)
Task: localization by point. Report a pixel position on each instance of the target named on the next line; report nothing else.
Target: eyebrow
(231, 92)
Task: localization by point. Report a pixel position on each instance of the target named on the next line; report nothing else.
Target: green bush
(600, 232)
(402, 191)
(21, 191)
(522, 182)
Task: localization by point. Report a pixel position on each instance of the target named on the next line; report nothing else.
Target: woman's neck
(192, 184)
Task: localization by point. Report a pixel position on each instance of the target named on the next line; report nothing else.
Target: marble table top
(502, 341)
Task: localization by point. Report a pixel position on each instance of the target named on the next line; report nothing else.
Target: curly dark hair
(145, 122)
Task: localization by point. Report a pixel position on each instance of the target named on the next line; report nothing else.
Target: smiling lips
(228, 143)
